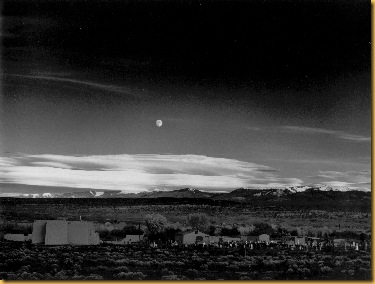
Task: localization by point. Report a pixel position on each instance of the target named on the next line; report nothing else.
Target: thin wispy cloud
(330, 162)
(335, 133)
(253, 128)
(135, 173)
(350, 176)
(122, 90)
(352, 137)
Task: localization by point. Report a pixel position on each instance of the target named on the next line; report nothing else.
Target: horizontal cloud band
(338, 134)
(135, 173)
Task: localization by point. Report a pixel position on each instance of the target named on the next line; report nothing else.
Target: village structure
(63, 232)
(129, 239)
(195, 236)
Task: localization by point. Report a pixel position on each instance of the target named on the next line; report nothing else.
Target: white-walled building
(82, 233)
(230, 239)
(129, 239)
(39, 231)
(264, 238)
(15, 237)
(62, 232)
(191, 237)
(215, 239)
(56, 232)
(132, 239)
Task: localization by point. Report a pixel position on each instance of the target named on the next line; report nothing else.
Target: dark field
(23, 261)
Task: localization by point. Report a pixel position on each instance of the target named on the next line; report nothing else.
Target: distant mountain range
(240, 194)
(258, 199)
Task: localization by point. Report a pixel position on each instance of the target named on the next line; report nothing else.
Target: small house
(294, 240)
(215, 239)
(230, 239)
(15, 237)
(264, 238)
(250, 239)
(191, 237)
(288, 240)
(129, 239)
(339, 242)
(300, 240)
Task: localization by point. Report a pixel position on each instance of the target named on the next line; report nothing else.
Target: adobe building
(191, 237)
(300, 240)
(56, 232)
(129, 239)
(264, 238)
(62, 232)
(39, 231)
(15, 237)
(215, 239)
(230, 239)
(251, 239)
(294, 240)
(82, 233)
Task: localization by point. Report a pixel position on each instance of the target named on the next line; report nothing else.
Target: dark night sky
(255, 93)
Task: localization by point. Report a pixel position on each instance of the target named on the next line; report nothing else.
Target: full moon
(159, 123)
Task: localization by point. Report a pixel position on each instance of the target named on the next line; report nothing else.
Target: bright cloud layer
(135, 173)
